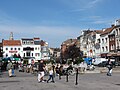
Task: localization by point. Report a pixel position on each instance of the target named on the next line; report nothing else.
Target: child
(51, 75)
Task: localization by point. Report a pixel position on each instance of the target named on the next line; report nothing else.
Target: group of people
(41, 73)
(52, 70)
(59, 71)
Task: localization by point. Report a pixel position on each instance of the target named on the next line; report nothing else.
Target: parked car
(117, 63)
(98, 60)
(102, 64)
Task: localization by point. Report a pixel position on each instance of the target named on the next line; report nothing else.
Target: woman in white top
(51, 75)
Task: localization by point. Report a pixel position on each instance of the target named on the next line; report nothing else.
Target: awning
(16, 59)
(104, 54)
(111, 54)
(10, 58)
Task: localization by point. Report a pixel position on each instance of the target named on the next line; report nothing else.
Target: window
(106, 48)
(106, 40)
(6, 48)
(24, 54)
(11, 48)
(27, 42)
(6, 55)
(18, 48)
(36, 48)
(32, 54)
(31, 42)
(116, 31)
(15, 48)
(98, 40)
(113, 47)
(103, 49)
(119, 31)
(28, 54)
(37, 54)
(23, 42)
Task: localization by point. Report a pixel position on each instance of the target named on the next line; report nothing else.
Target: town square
(59, 44)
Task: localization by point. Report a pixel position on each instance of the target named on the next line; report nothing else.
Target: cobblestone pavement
(88, 81)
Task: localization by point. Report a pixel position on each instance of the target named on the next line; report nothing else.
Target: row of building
(94, 43)
(25, 48)
(98, 43)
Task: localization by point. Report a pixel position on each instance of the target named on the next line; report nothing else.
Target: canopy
(88, 60)
(10, 58)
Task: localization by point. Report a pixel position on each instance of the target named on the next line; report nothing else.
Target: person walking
(10, 68)
(41, 73)
(51, 75)
(57, 70)
(110, 67)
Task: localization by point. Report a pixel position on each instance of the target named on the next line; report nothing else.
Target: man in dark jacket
(41, 73)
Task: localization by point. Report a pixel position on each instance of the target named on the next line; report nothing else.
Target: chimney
(112, 25)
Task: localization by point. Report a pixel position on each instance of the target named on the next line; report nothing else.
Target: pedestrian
(60, 71)
(53, 67)
(110, 67)
(51, 75)
(57, 70)
(10, 68)
(41, 73)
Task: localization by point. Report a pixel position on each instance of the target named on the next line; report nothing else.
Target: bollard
(67, 77)
(76, 76)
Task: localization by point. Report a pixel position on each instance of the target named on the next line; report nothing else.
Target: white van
(99, 60)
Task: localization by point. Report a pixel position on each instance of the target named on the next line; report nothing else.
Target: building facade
(11, 47)
(26, 48)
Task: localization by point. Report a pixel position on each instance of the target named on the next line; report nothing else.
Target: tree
(73, 52)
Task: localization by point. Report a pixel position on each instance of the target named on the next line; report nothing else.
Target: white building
(104, 39)
(26, 48)
(31, 48)
(12, 47)
(45, 54)
(97, 43)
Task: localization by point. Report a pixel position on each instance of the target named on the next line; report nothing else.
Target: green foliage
(49, 61)
(72, 52)
(25, 61)
(78, 60)
(69, 62)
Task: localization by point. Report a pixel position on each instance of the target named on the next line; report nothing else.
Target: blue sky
(55, 20)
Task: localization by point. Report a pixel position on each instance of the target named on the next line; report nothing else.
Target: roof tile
(11, 43)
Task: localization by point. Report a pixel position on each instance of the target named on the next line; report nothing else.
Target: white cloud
(94, 2)
(54, 35)
(82, 5)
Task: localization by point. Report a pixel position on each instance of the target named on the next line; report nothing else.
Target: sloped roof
(11, 43)
(42, 43)
(108, 30)
(70, 41)
(99, 31)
